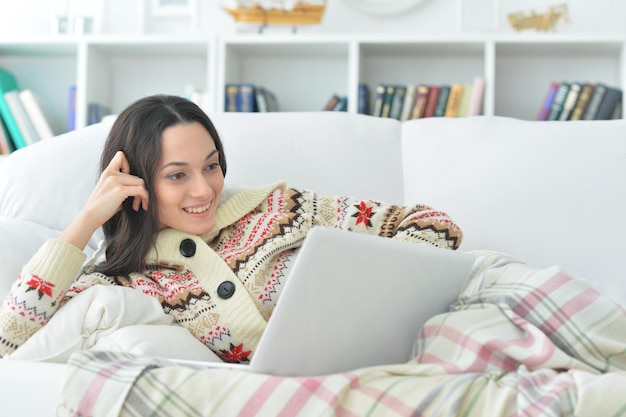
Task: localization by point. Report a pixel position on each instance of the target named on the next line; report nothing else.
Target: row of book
(405, 102)
(248, 97)
(581, 101)
(22, 121)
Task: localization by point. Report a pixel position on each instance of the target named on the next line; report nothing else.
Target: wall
(431, 16)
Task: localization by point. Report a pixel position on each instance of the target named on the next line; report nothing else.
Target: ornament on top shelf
(283, 12)
(544, 22)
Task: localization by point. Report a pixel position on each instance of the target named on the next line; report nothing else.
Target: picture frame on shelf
(172, 8)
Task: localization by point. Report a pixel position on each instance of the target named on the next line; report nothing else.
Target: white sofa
(545, 192)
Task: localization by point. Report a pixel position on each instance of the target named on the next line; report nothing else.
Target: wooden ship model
(285, 12)
(539, 21)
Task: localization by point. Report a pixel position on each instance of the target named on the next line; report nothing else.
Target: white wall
(431, 16)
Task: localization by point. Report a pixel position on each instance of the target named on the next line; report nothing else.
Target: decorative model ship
(280, 12)
(542, 22)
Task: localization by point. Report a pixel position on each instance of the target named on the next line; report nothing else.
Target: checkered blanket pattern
(519, 341)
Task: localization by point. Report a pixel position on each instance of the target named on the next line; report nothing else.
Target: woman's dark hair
(137, 132)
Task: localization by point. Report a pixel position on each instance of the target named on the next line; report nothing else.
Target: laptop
(354, 300)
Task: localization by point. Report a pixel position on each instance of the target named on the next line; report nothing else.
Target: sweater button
(187, 248)
(226, 290)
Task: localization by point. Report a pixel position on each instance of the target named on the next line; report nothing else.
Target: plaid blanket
(519, 341)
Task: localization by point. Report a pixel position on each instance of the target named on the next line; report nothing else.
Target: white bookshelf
(304, 70)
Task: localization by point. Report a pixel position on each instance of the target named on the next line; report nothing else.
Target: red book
(431, 102)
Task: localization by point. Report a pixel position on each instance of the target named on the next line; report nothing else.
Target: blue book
(71, 111)
(363, 103)
(9, 83)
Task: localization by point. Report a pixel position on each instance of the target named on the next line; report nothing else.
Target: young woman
(215, 258)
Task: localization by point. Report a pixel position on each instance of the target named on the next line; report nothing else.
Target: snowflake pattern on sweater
(257, 237)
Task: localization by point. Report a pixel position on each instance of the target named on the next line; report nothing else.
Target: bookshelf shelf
(304, 70)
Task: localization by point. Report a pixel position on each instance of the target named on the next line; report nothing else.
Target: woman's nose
(201, 186)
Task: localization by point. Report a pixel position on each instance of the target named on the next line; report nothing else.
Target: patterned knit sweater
(224, 285)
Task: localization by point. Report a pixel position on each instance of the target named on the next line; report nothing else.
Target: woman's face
(189, 180)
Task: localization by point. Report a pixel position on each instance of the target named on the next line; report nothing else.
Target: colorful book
(570, 101)
(390, 91)
(431, 102)
(442, 102)
(409, 100)
(594, 101)
(465, 100)
(71, 111)
(379, 97)
(35, 113)
(583, 101)
(24, 124)
(546, 105)
(476, 100)
(454, 100)
(395, 112)
(559, 100)
(610, 106)
(247, 99)
(363, 99)
(332, 102)
(231, 98)
(6, 146)
(9, 83)
(421, 99)
(342, 104)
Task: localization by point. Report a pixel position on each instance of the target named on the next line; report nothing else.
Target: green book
(8, 83)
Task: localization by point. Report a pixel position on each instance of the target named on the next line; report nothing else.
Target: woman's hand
(115, 185)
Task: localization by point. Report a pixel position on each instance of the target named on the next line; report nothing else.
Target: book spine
(610, 101)
(342, 104)
(71, 111)
(398, 101)
(409, 100)
(388, 100)
(559, 99)
(570, 101)
(379, 98)
(465, 100)
(583, 101)
(21, 117)
(476, 100)
(421, 99)
(547, 101)
(594, 102)
(442, 102)
(35, 113)
(431, 103)
(247, 98)
(363, 101)
(454, 101)
(261, 100)
(231, 98)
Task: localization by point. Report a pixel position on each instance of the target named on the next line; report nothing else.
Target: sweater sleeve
(417, 223)
(38, 292)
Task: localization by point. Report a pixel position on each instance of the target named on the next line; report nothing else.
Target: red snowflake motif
(236, 354)
(364, 215)
(42, 287)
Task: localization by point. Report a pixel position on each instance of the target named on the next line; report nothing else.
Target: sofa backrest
(43, 186)
(548, 193)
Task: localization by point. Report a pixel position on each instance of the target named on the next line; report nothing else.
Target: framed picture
(185, 8)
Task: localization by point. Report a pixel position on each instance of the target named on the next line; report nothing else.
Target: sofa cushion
(547, 193)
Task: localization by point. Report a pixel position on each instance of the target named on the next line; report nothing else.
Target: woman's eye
(212, 166)
(175, 176)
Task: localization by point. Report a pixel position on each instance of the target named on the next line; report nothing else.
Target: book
(332, 102)
(594, 102)
(379, 97)
(95, 113)
(390, 91)
(398, 101)
(261, 99)
(559, 99)
(247, 98)
(454, 100)
(272, 101)
(583, 101)
(544, 111)
(442, 101)
(465, 100)
(6, 146)
(421, 98)
(432, 100)
(342, 104)
(409, 100)
(9, 83)
(476, 100)
(570, 101)
(231, 98)
(71, 111)
(35, 113)
(610, 106)
(363, 99)
(24, 124)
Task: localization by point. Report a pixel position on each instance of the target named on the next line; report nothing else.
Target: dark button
(226, 290)
(187, 248)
